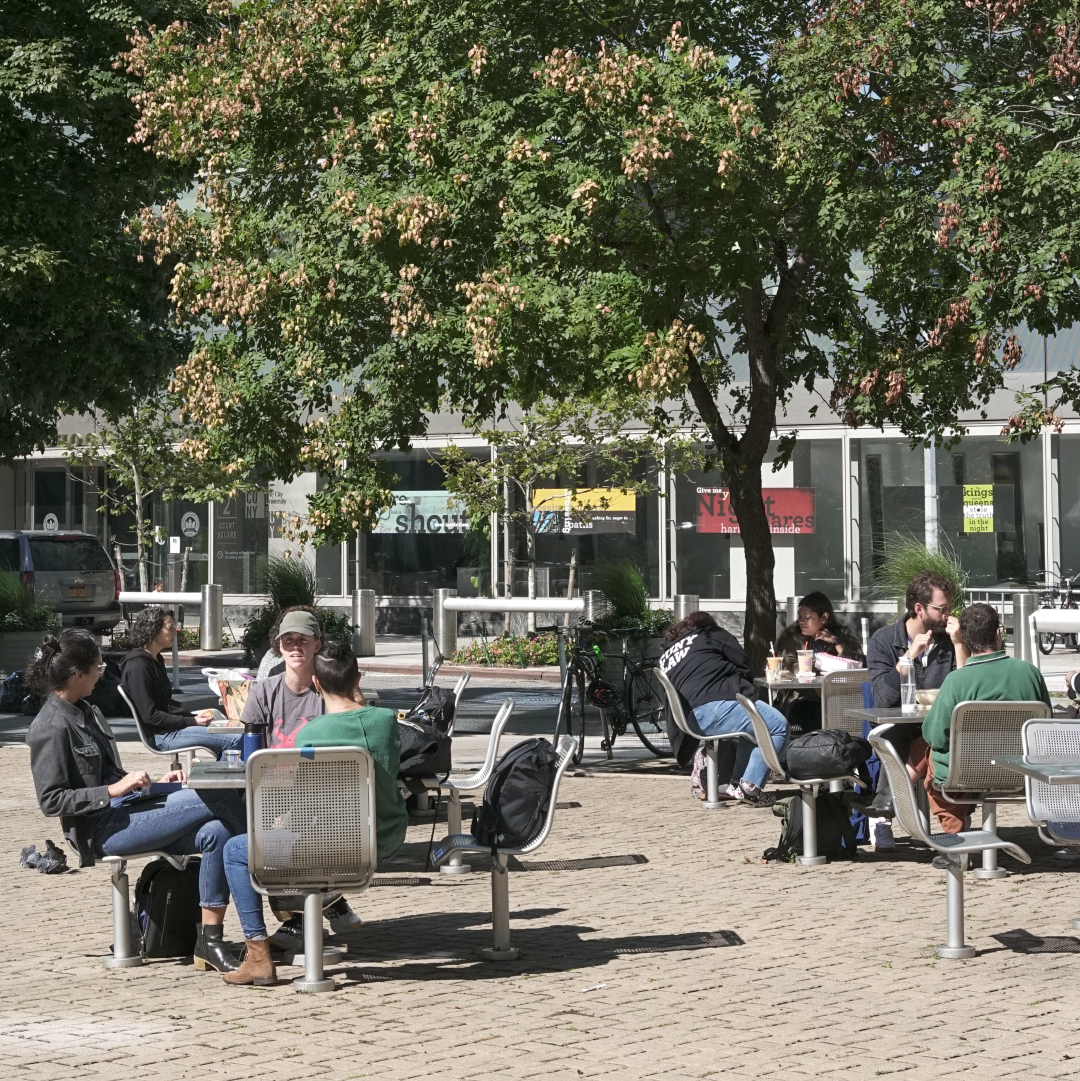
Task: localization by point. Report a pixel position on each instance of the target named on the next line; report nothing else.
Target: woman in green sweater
(344, 724)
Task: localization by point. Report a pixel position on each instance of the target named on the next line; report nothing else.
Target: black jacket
(707, 666)
(146, 681)
(73, 766)
(884, 651)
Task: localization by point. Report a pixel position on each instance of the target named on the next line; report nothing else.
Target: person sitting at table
(342, 725)
(146, 680)
(708, 667)
(286, 702)
(989, 675)
(816, 629)
(105, 810)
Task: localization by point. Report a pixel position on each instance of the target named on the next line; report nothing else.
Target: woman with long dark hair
(105, 810)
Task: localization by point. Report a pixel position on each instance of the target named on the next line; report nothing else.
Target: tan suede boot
(256, 968)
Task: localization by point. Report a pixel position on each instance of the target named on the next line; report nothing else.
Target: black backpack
(835, 835)
(425, 749)
(436, 706)
(828, 752)
(167, 912)
(517, 797)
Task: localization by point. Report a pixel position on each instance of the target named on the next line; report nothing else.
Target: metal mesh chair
(841, 691)
(501, 950)
(710, 743)
(808, 786)
(471, 782)
(459, 690)
(981, 732)
(147, 740)
(956, 846)
(311, 829)
(1054, 808)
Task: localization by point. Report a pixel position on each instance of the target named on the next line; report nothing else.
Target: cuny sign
(790, 510)
(422, 512)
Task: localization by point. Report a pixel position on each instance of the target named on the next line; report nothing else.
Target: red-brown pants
(952, 816)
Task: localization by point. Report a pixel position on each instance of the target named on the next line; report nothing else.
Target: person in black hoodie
(708, 667)
(146, 681)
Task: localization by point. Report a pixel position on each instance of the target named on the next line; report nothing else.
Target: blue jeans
(725, 718)
(181, 823)
(196, 735)
(249, 904)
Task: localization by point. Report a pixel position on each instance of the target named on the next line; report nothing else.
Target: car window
(10, 556)
(68, 554)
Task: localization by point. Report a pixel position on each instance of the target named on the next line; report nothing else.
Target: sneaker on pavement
(753, 796)
(881, 834)
(941, 862)
(342, 918)
(289, 937)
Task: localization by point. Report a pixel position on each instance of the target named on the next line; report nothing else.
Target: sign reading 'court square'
(790, 510)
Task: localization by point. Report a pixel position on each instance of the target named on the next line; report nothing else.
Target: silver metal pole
(313, 978)
(444, 623)
(989, 868)
(424, 645)
(211, 616)
(810, 857)
(501, 949)
(363, 617)
(121, 955)
(1024, 602)
(176, 661)
(685, 603)
(955, 948)
(456, 864)
(712, 775)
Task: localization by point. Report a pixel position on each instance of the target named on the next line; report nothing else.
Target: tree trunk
(571, 582)
(144, 583)
(760, 627)
(530, 549)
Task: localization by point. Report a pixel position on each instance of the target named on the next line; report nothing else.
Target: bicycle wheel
(1046, 642)
(649, 712)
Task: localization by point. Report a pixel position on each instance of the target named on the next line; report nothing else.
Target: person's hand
(128, 783)
(204, 716)
(825, 635)
(919, 644)
(173, 776)
(952, 629)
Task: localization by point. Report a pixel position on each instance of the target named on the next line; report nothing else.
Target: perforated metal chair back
(675, 703)
(904, 803)
(1056, 806)
(841, 691)
(980, 732)
(311, 818)
(761, 736)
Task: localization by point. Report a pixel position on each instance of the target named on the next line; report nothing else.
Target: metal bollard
(211, 616)
(685, 603)
(1024, 603)
(363, 617)
(443, 623)
(596, 605)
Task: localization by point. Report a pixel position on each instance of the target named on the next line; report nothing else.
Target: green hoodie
(987, 677)
(375, 730)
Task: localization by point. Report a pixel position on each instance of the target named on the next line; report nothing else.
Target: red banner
(790, 510)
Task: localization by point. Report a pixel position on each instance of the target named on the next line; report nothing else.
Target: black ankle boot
(211, 951)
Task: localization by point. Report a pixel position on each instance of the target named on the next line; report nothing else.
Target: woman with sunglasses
(105, 810)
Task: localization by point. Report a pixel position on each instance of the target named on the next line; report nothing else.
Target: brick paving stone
(823, 972)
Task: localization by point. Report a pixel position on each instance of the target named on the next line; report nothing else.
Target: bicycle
(1059, 596)
(641, 705)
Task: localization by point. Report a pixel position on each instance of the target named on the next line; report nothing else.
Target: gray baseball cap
(300, 623)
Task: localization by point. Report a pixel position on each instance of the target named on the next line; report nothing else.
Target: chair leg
(500, 950)
(313, 979)
(712, 776)
(423, 806)
(989, 868)
(122, 956)
(175, 763)
(809, 857)
(955, 948)
(836, 786)
(456, 864)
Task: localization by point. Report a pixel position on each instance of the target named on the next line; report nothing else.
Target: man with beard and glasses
(929, 636)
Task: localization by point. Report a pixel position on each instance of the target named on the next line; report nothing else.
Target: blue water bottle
(254, 738)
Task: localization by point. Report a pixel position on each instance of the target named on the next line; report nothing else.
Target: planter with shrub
(23, 622)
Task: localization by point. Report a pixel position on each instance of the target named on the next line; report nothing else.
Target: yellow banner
(978, 508)
(592, 498)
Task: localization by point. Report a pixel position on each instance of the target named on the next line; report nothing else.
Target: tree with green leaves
(416, 205)
(145, 455)
(85, 319)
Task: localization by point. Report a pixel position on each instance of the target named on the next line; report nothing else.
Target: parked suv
(68, 570)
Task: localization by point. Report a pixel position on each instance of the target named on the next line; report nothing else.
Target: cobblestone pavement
(672, 953)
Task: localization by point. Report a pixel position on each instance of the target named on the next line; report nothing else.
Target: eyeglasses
(942, 608)
(101, 667)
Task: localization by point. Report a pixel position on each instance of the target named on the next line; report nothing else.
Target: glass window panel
(50, 499)
(241, 537)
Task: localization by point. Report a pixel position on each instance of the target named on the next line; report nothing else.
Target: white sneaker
(881, 835)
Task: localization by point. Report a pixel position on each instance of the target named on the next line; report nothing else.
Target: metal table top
(215, 775)
(886, 715)
(791, 684)
(1042, 767)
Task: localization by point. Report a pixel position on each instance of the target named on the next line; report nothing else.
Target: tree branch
(791, 280)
